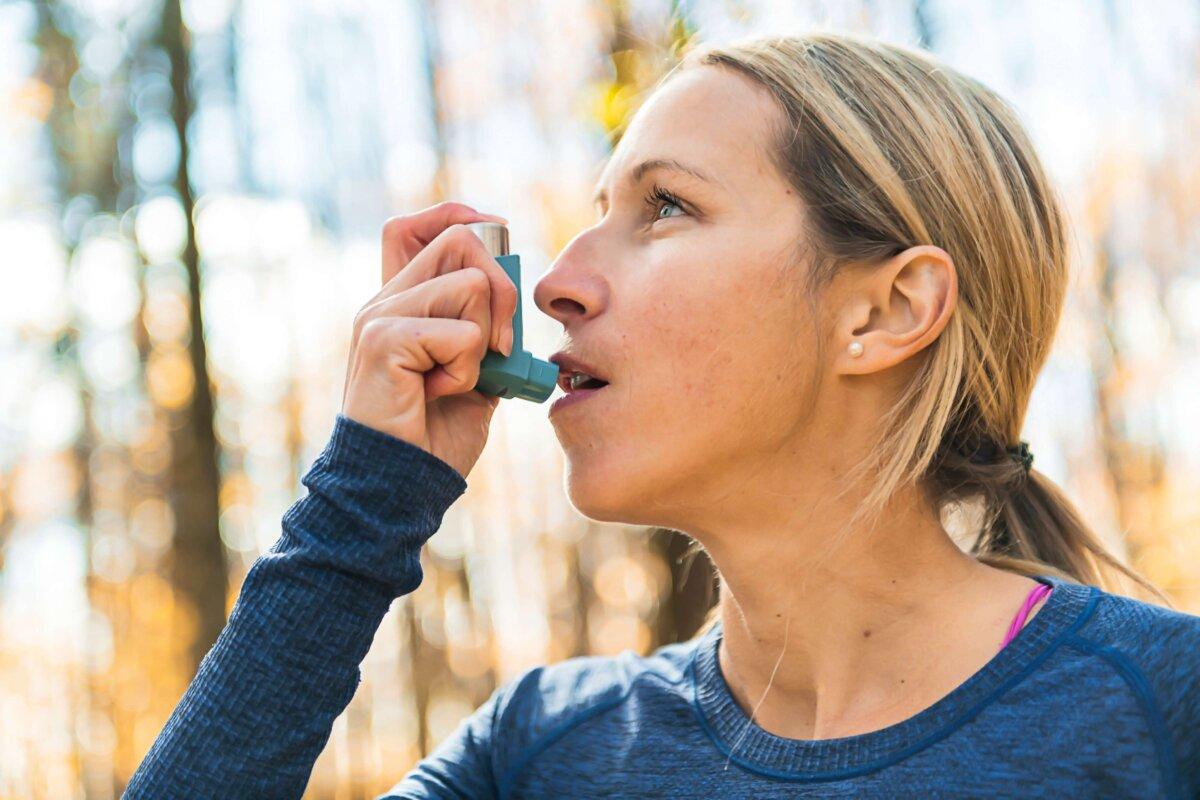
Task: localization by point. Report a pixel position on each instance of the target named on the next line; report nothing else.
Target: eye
(659, 198)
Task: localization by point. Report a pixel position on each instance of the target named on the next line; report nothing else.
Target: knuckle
(447, 205)
(459, 233)
(477, 280)
(479, 334)
(394, 227)
(375, 335)
(360, 320)
(473, 341)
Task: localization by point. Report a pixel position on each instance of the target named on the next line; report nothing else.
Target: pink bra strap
(1031, 600)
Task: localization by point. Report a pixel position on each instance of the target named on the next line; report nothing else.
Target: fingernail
(507, 341)
(496, 217)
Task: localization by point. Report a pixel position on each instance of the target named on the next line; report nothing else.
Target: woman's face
(688, 310)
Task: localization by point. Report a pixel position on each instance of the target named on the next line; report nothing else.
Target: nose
(572, 289)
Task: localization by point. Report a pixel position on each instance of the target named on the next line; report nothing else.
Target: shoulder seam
(1136, 680)
(547, 739)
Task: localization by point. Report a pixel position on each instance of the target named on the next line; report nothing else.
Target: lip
(568, 363)
(573, 398)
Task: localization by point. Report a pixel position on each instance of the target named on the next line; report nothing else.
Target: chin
(607, 490)
(594, 493)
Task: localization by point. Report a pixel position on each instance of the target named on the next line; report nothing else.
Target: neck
(830, 630)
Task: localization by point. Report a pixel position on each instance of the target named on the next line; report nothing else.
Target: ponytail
(1029, 525)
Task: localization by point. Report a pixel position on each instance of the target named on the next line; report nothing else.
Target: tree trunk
(199, 568)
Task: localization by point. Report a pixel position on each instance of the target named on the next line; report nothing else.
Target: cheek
(710, 376)
(686, 352)
(715, 355)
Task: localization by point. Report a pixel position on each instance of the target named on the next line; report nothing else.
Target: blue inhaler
(520, 374)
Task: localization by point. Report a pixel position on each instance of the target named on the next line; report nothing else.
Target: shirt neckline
(756, 749)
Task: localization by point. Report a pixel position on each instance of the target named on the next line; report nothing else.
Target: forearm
(262, 704)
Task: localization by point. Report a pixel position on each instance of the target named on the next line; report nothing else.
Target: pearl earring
(856, 348)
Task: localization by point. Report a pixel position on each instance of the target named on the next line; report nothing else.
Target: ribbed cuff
(417, 476)
(373, 501)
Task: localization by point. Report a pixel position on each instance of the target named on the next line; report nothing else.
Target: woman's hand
(416, 345)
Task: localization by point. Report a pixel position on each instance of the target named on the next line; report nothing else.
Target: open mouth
(578, 387)
(577, 381)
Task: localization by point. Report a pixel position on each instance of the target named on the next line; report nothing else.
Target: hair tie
(989, 451)
(1021, 453)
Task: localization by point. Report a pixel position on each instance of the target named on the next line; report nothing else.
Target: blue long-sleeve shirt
(1097, 696)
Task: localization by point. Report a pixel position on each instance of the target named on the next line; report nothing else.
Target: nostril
(564, 305)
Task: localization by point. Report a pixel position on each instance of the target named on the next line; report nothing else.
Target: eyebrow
(641, 169)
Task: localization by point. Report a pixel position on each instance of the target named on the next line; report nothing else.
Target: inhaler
(520, 374)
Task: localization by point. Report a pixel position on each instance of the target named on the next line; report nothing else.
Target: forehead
(705, 116)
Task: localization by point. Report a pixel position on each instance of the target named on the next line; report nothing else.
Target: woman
(825, 275)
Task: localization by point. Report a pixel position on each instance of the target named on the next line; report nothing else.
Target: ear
(895, 310)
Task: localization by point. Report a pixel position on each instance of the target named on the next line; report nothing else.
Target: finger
(456, 248)
(462, 295)
(455, 349)
(406, 235)
(439, 351)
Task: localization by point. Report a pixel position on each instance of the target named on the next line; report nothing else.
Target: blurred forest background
(191, 195)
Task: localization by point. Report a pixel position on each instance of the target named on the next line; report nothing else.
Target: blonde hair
(889, 149)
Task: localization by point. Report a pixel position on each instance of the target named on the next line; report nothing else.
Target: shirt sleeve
(260, 708)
